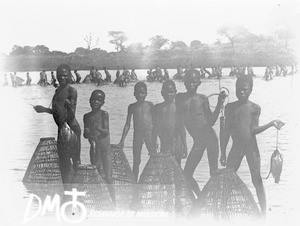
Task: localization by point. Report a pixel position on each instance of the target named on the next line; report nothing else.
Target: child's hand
(223, 160)
(121, 144)
(277, 124)
(222, 97)
(39, 108)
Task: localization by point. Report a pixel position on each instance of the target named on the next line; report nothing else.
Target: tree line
(239, 47)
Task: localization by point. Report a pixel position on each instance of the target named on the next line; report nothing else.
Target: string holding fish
(276, 162)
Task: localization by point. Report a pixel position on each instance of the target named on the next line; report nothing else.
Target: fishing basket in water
(225, 196)
(43, 167)
(122, 177)
(87, 179)
(162, 187)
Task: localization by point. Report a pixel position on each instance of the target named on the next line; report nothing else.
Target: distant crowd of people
(153, 75)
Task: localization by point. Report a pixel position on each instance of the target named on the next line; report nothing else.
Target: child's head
(168, 90)
(243, 87)
(140, 91)
(191, 80)
(97, 99)
(62, 73)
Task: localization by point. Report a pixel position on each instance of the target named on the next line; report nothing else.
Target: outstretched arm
(256, 129)
(41, 109)
(224, 137)
(127, 125)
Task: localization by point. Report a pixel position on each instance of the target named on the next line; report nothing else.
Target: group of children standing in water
(169, 121)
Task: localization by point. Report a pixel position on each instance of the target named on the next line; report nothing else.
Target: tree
(19, 50)
(118, 40)
(136, 48)
(283, 33)
(81, 51)
(90, 41)
(229, 33)
(157, 42)
(195, 45)
(41, 50)
(178, 45)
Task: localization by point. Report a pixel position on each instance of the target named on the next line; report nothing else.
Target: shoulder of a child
(255, 107)
(104, 113)
(179, 96)
(150, 103)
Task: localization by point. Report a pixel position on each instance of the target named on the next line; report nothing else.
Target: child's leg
(253, 159)
(148, 140)
(76, 128)
(65, 164)
(212, 150)
(106, 159)
(235, 158)
(137, 148)
(191, 163)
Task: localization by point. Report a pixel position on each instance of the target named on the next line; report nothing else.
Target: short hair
(192, 73)
(167, 83)
(61, 67)
(139, 85)
(97, 92)
(245, 79)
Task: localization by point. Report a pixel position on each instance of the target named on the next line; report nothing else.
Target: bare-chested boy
(165, 122)
(142, 112)
(241, 123)
(96, 130)
(63, 110)
(195, 114)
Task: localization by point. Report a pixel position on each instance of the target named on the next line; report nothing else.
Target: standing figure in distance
(96, 130)
(241, 123)
(142, 112)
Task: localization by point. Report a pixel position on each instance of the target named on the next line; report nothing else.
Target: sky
(63, 24)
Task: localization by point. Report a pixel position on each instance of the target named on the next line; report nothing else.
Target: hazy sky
(63, 24)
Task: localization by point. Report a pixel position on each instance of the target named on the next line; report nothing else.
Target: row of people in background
(157, 75)
(122, 79)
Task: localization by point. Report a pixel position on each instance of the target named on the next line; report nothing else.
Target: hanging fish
(67, 135)
(276, 165)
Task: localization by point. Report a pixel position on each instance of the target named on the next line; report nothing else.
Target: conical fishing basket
(87, 179)
(162, 187)
(226, 197)
(43, 167)
(122, 177)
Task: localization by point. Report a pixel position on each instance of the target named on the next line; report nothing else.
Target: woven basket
(162, 187)
(226, 197)
(43, 167)
(123, 178)
(86, 178)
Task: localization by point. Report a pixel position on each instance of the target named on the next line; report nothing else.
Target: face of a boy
(243, 91)
(97, 101)
(192, 84)
(140, 94)
(169, 93)
(62, 76)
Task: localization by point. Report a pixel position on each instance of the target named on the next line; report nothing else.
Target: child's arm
(41, 109)
(86, 131)
(256, 129)
(212, 117)
(154, 132)
(180, 128)
(127, 126)
(224, 137)
(105, 125)
(71, 104)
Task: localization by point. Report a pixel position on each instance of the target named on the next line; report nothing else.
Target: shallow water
(22, 128)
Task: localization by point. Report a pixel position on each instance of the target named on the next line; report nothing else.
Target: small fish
(67, 135)
(276, 165)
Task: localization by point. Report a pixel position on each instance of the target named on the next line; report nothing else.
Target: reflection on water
(23, 128)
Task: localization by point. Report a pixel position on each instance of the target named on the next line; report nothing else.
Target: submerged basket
(162, 187)
(225, 196)
(43, 167)
(122, 175)
(87, 179)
